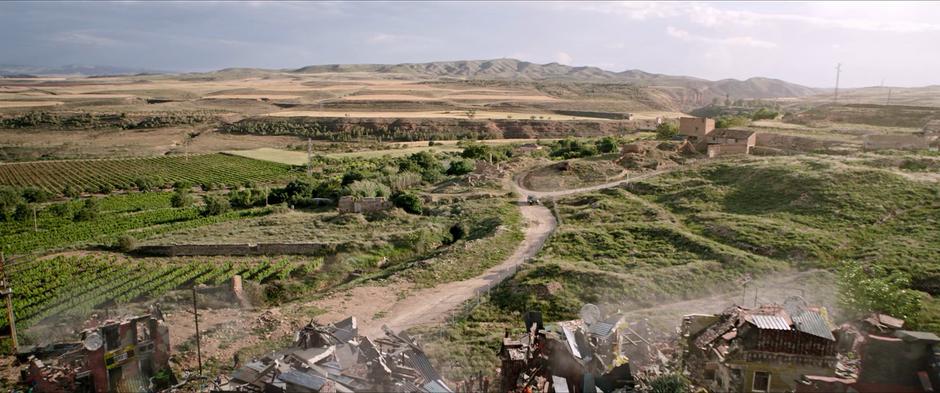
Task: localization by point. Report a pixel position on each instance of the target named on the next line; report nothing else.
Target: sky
(895, 44)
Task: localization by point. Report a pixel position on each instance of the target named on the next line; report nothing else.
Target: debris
(335, 358)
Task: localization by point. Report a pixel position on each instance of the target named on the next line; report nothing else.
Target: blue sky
(798, 42)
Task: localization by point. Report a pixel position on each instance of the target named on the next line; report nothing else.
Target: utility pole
(309, 157)
(198, 344)
(835, 98)
(888, 102)
(35, 223)
(7, 292)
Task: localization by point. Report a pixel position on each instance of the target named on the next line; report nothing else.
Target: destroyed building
(335, 358)
(765, 349)
(888, 359)
(112, 356)
(570, 356)
(351, 204)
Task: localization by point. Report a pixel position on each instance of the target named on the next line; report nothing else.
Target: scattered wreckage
(572, 356)
(335, 358)
(128, 355)
(796, 348)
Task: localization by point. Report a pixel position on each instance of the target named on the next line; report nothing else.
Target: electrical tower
(835, 97)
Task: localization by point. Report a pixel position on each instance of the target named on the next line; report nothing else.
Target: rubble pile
(110, 356)
(335, 358)
(582, 355)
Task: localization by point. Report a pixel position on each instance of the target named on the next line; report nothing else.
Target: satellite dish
(93, 341)
(590, 314)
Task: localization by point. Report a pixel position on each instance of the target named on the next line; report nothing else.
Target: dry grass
(486, 115)
(28, 104)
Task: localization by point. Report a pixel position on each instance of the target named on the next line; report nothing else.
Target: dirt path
(377, 306)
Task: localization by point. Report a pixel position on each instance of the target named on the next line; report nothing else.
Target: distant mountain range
(512, 69)
(693, 89)
(72, 69)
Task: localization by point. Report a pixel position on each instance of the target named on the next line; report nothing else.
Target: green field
(82, 283)
(98, 175)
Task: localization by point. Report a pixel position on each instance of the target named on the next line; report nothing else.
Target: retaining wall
(238, 249)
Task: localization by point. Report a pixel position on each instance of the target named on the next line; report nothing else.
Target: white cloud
(707, 15)
(735, 41)
(563, 58)
(83, 38)
(710, 16)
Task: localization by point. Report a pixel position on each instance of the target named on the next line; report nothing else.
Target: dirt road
(549, 194)
(377, 306)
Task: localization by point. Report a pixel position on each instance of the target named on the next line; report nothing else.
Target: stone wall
(901, 142)
(237, 249)
(349, 204)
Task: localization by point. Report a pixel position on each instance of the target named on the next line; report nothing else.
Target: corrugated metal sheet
(308, 381)
(771, 322)
(812, 323)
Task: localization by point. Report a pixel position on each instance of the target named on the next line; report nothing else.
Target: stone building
(730, 141)
(696, 128)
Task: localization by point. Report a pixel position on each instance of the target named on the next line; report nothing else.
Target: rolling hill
(512, 69)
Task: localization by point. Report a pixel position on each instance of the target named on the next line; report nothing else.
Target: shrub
(61, 209)
(214, 205)
(89, 210)
(181, 198)
(607, 145)
(368, 188)
(9, 199)
(731, 121)
(351, 177)
(22, 212)
(408, 202)
(669, 383)
(666, 131)
(182, 185)
(764, 114)
(145, 183)
(127, 243)
(36, 195)
(461, 167)
(71, 191)
(105, 188)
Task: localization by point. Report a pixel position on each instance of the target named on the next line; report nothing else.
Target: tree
(350, 177)
(731, 121)
(9, 199)
(607, 144)
(71, 191)
(145, 184)
(89, 210)
(36, 195)
(408, 202)
(868, 289)
(214, 205)
(461, 167)
(181, 198)
(666, 131)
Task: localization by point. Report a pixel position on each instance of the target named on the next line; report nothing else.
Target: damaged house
(114, 356)
(571, 356)
(887, 359)
(766, 349)
(335, 358)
